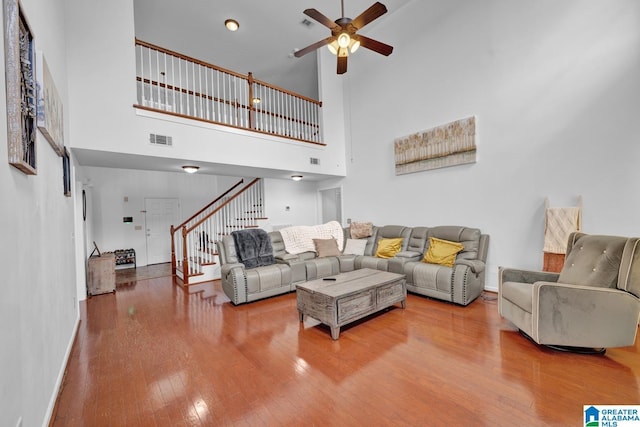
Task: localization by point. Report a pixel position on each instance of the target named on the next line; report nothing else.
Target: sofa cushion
(388, 248)
(360, 230)
(355, 247)
(593, 261)
(326, 247)
(520, 294)
(442, 252)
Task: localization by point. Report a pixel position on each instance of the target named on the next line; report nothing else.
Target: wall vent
(156, 139)
(314, 160)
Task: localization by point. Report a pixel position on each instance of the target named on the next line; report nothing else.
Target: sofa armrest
(525, 276)
(584, 316)
(234, 282)
(226, 268)
(475, 265)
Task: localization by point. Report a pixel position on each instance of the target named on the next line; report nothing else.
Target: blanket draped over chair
(299, 238)
(253, 247)
(559, 223)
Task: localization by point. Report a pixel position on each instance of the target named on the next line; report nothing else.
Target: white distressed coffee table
(351, 296)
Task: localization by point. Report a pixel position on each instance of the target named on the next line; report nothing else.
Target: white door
(160, 215)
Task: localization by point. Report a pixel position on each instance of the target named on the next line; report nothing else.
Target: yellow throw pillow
(388, 248)
(442, 252)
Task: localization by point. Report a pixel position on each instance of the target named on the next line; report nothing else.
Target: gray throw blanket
(253, 247)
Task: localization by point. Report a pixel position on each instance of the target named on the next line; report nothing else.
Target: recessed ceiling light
(231, 24)
(296, 177)
(190, 168)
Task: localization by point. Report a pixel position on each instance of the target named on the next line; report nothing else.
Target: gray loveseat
(460, 284)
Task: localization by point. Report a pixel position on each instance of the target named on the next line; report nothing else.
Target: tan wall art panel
(443, 146)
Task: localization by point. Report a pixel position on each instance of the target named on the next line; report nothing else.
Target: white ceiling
(269, 33)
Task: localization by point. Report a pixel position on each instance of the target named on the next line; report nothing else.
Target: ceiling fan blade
(375, 11)
(313, 13)
(374, 45)
(342, 64)
(312, 47)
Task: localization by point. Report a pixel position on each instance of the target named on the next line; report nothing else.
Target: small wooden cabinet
(101, 274)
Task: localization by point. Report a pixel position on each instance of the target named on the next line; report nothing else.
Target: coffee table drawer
(390, 294)
(355, 305)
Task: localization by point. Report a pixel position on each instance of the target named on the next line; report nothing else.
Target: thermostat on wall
(127, 219)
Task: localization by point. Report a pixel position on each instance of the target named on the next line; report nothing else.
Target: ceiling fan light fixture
(355, 44)
(333, 47)
(231, 24)
(344, 39)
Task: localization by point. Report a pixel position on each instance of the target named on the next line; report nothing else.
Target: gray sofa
(459, 284)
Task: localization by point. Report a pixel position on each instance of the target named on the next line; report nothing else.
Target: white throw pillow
(354, 247)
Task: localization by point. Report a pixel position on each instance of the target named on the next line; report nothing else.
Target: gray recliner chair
(591, 305)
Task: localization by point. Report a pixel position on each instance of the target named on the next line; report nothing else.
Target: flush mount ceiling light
(296, 177)
(231, 24)
(256, 100)
(190, 169)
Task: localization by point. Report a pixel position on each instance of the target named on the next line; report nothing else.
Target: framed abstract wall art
(20, 88)
(443, 146)
(49, 106)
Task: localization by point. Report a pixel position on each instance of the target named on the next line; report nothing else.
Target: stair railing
(193, 241)
(179, 85)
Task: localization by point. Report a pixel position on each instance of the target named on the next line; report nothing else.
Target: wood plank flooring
(156, 354)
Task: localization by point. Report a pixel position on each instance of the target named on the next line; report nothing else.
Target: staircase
(194, 256)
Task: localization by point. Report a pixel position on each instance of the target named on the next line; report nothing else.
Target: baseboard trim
(63, 369)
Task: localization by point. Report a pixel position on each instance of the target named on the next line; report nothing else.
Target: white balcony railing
(176, 84)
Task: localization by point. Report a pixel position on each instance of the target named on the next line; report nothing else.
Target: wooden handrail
(188, 58)
(211, 203)
(194, 226)
(224, 70)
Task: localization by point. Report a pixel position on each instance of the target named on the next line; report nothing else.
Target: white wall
(107, 188)
(38, 306)
(298, 196)
(555, 90)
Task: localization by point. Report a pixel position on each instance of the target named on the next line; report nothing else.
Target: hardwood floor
(155, 354)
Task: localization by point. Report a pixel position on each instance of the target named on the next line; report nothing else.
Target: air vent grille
(164, 140)
(314, 160)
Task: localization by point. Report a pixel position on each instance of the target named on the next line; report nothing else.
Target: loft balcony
(175, 84)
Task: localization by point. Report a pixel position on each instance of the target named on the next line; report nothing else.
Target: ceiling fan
(344, 39)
